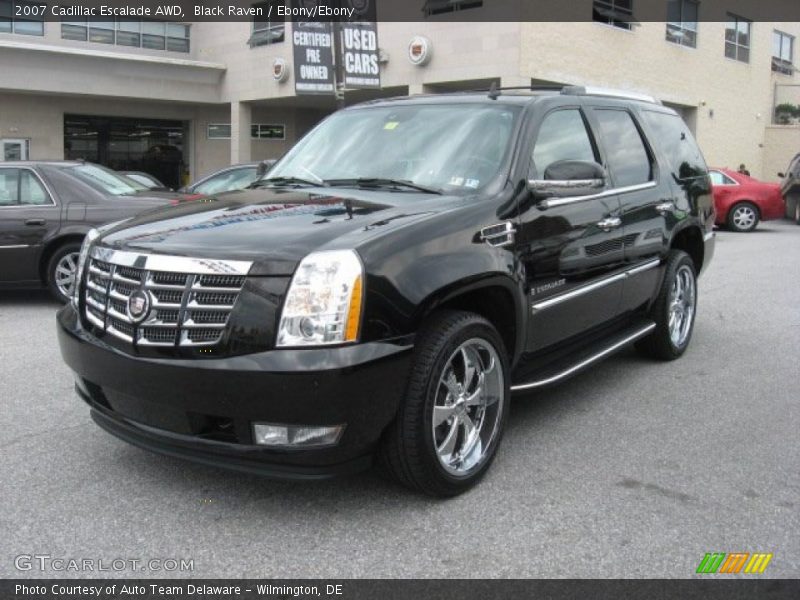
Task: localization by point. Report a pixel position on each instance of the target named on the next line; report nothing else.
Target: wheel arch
(52, 246)
(745, 200)
(497, 298)
(690, 240)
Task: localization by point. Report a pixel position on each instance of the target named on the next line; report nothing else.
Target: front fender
(415, 270)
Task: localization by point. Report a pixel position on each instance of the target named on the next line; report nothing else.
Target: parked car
(46, 208)
(399, 273)
(742, 201)
(232, 178)
(147, 180)
(790, 188)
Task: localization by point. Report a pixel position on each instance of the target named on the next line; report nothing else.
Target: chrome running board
(612, 345)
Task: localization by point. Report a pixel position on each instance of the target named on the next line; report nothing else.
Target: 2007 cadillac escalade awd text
(383, 291)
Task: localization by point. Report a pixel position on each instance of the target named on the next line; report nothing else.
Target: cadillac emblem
(138, 306)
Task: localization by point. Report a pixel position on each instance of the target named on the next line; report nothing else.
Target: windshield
(235, 179)
(455, 147)
(107, 180)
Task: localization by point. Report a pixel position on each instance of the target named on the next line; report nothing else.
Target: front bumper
(203, 409)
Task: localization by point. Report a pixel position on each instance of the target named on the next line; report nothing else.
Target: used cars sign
(359, 44)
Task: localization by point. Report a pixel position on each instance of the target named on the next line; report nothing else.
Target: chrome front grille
(190, 300)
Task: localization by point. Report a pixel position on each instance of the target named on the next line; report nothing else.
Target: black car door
(28, 216)
(569, 248)
(646, 198)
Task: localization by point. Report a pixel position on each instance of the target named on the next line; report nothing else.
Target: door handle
(609, 223)
(34, 222)
(665, 207)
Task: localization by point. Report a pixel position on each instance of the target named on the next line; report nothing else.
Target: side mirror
(569, 178)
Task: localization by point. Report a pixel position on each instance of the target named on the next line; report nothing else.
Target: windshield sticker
(472, 183)
(391, 125)
(459, 181)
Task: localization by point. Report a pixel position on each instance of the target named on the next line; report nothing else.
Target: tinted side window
(562, 136)
(718, 178)
(678, 144)
(628, 159)
(9, 187)
(31, 191)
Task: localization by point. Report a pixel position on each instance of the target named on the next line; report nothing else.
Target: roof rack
(572, 90)
(579, 90)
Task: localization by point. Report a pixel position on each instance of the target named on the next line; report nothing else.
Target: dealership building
(182, 100)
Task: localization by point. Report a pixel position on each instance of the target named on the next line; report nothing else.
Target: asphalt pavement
(631, 469)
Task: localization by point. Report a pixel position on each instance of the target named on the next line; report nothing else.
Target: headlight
(87, 242)
(323, 305)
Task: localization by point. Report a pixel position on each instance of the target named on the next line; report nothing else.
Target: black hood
(274, 227)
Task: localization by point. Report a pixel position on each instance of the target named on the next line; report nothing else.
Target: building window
(30, 23)
(268, 132)
(782, 53)
(129, 33)
(177, 37)
(153, 35)
(438, 7)
(737, 38)
(266, 31)
(219, 131)
(101, 32)
(682, 22)
(618, 13)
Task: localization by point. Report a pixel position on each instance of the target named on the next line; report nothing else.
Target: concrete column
(241, 144)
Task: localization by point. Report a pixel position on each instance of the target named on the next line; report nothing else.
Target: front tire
(61, 271)
(743, 217)
(673, 311)
(451, 421)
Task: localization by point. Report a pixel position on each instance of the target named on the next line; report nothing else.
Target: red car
(741, 201)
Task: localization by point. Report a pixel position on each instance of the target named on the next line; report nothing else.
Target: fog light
(301, 436)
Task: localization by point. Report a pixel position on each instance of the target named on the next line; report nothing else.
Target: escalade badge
(138, 306)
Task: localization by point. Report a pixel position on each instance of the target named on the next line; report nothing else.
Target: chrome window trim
(42, 181)
(583, 290)
(553, 202)
(175, 264)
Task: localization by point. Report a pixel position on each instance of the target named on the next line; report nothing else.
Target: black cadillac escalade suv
(390, 283)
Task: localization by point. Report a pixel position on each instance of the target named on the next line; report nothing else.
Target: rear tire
(450, 423)
(61, 270)
(673, 311)
(797, 212)
(743, 217)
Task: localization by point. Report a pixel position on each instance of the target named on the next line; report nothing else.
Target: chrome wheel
(468, 406)
(744, 217)
(682, 301)
(64, 275)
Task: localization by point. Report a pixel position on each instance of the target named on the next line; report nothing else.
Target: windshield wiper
(382, 182)
(285, 181)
